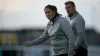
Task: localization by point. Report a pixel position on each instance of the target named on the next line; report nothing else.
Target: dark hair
(70, 2)
(53, 8)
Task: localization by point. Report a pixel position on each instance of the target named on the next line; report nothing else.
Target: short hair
(70, 2)
(52, 7)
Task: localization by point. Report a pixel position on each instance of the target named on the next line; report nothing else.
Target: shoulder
(63, 19)
(79, 18)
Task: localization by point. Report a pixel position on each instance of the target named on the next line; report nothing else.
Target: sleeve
(38, 40)
(65, 25)
(80, 27)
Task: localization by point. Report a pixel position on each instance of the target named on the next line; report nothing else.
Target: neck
(54, 18)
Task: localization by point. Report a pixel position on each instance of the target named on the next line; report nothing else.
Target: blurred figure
(78, 26)
(60, 32)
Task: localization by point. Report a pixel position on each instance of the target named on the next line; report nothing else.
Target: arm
(80, 27)
(39, 40)
(65, 25)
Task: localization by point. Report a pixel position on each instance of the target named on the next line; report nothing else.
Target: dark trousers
(62, 55)
(81, 52)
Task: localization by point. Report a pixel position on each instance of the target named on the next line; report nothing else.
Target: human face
(49, 13)
(70, 9)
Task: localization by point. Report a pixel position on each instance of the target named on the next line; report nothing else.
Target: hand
(27, 43)
(74, 52)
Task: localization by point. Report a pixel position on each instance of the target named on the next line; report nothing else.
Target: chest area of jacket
(54, 30)
(73, 25)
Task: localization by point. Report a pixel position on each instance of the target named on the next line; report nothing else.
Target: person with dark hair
(59, 31)
(78, 26)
